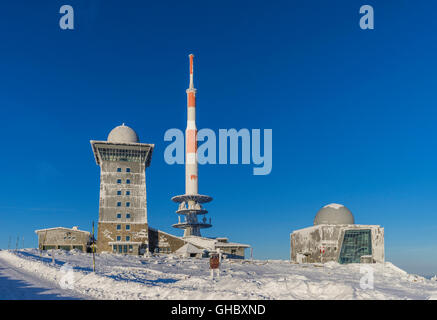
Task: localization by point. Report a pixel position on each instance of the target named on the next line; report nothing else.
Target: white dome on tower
(124, 134)
(334, 214)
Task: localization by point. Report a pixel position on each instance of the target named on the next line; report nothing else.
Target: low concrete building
(336, 237)
(63, 238)
(162, 242)
(230, 250)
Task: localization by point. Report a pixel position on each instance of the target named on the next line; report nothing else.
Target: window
(131, 248)
(125, 248)
(118, 227)
(118, 215)
(118, 238)
(119, 193)
(356, 243)
(118, 169)
(120, 248)
(114, 248)
(128, 192)
(128, 227)
(110, 154)
(127, 181)
(127, 169)
(127, 238)
(127, 215)
(118, 204)
(118, 181)
(127, 204)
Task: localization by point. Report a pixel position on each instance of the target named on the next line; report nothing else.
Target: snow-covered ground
(168, 277)
(17, 284)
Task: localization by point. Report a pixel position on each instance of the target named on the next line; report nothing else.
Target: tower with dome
(122, 226)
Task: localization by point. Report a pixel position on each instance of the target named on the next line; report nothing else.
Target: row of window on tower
(119, 215)
(127, 238)
(120, 170)
(119, 193)
(127, 204)
(119, 181)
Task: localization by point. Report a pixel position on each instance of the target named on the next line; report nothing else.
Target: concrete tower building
(123, 160)
(190, 204)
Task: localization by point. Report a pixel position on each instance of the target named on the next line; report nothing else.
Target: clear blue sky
(353, 113)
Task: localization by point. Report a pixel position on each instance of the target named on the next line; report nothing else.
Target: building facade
(63, 238)
(336, 237)
(122, 226)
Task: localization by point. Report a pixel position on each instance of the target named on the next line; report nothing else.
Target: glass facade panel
(356, 243)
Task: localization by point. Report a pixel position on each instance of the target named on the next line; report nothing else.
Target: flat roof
(63, 228)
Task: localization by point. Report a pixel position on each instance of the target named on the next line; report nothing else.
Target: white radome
(334, 213)
(124, 134)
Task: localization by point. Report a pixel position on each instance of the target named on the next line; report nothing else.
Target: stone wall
(164, 242)
(107, 234)
(322, 243)
(60, 238)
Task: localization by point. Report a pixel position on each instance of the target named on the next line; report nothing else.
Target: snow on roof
(166, 233)
(72, 229)
(342, 226)
(188, 248)
(206, 243)
(334, 206)
(211, 243)
(201, 242)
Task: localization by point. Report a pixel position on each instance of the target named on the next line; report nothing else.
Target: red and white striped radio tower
(190, 204)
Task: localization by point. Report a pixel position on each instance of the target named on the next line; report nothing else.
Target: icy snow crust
(334, 205)
(168, 277)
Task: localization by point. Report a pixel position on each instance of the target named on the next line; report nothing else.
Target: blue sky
(353, 113)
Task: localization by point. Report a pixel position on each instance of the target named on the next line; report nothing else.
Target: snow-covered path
(16, 284)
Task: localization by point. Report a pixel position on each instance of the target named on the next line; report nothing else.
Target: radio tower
(190, 204)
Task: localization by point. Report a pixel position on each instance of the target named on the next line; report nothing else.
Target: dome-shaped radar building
(335, 237)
